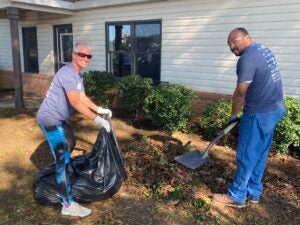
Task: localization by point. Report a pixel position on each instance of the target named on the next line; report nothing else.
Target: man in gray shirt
(259, 95)
(66, 94)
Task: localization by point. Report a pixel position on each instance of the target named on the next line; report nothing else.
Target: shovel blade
(192, 159)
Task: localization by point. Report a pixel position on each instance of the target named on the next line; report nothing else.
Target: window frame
(59, 29)
(25, 59)
(133, 51)
(61, 53)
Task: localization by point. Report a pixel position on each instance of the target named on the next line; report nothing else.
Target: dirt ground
(158, 190)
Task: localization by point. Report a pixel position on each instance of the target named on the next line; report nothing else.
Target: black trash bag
(94, 176)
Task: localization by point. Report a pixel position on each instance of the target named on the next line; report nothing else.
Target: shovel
(194, 159)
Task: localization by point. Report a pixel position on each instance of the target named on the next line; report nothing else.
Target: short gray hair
(78, 44)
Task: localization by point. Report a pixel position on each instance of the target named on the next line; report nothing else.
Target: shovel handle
(221, 134)
(230, 127)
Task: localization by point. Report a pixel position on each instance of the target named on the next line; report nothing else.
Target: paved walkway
(7, 100)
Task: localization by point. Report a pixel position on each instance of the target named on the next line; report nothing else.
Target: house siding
(194, 36)
(5, 46)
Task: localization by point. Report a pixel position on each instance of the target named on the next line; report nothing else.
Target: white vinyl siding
(45, 48)
(5, 46)
(194, 38)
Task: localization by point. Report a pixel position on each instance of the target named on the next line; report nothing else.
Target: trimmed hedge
(214, 119)
(133, 91)
(169, 107)
(287, 134)
(98, 85)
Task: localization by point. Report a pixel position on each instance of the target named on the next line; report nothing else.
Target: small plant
(200, 203)
(155, 190)
(134, 90)
(287, 134)
(196, 180)
(98, 85)
(133, 166)
(142, 138)
(169, 107)
(177, 193)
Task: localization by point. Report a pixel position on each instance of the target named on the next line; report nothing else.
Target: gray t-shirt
(56, 107)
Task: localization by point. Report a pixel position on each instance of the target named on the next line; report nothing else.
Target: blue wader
(61, 141)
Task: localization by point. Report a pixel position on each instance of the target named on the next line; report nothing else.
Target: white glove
(104, 111)
(103, 123)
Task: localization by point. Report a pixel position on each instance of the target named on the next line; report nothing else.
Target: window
(66, 47)
(134, 48)
(30, 51)
(63, 45)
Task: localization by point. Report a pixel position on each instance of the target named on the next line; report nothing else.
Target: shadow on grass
(17, 205)
(42, 156)
(12, 113)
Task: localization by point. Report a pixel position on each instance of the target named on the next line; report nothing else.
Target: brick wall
(36, 84)
(6, 80)
(203, 100)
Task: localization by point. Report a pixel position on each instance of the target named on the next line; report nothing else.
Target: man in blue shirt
(259, 93)
(66, 94)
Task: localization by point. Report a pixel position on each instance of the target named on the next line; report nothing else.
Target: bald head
(238, 40)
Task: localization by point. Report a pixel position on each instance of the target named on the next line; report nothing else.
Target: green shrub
(97, 85)
(215, 118)
(134, 89)
(287, 133)
(169, 107)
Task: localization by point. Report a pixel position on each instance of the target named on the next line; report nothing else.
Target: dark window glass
(147, 38)
(119, 38)
(120, 64)
(30, 51)
(134, 48)
(148, 65)
(66, 47)
(119, 46)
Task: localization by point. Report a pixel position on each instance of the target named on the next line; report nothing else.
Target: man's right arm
(76, 102)
(239, 97)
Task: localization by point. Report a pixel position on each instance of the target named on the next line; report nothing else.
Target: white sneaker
(75, 209)
(253, 201)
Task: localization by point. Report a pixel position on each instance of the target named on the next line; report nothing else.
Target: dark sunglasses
(83, 55)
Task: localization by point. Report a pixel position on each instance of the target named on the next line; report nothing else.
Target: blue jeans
(61, 141)
(255, 139)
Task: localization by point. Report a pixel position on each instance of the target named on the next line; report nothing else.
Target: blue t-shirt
(258, 66)
(56, 107)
